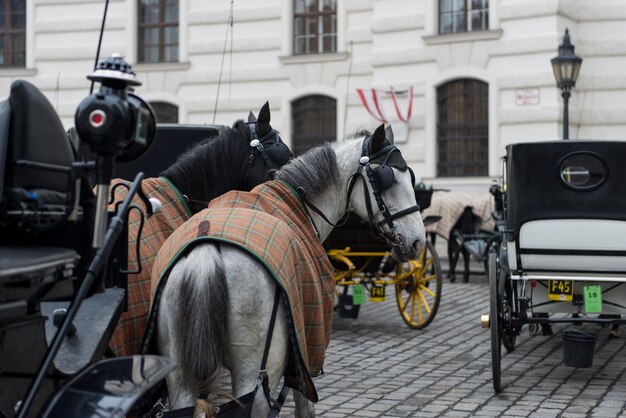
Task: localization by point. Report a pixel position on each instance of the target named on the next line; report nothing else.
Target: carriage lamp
(566, 66)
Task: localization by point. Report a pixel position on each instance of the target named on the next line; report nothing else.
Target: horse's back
(219, 286)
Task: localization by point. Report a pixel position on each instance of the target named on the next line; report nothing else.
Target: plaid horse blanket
(450, 206)
(270, 223)
(126, 339)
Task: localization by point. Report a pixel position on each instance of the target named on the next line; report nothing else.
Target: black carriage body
(564, 255)
(565, 206)
(170, 141)
(536, 190)
(46, 249)
(565, 226)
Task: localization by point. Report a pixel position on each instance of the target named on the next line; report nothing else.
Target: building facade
(457, 79)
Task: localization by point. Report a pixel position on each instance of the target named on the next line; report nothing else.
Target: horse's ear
(389, 133)
(251, 117)
(263, 123)
(378, 137)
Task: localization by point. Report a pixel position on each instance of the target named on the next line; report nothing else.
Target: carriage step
(94, 324)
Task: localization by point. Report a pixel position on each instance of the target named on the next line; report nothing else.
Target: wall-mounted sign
(527, 97)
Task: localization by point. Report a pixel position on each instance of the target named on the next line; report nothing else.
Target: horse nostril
(417, 244)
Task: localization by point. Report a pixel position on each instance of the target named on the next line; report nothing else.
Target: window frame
(10, 33)
(319, 35)
(161, 26)
(445, 143)
(467, 12)
(300, 142)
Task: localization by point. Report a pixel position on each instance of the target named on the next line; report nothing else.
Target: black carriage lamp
(566, 66)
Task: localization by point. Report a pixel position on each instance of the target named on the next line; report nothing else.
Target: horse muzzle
(401, 250)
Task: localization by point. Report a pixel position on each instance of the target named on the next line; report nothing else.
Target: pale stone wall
(380, 43)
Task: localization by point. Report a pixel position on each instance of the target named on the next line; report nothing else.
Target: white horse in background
(206, 290)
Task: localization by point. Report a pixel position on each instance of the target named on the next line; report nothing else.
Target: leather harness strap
(275, 404)
(389, 217)
(262, 382)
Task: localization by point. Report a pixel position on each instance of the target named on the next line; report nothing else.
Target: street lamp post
(566, 66)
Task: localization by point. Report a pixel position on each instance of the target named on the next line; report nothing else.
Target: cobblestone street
(378, 367)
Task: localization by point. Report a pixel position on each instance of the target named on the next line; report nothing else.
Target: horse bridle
(380, 178)
(273, 151)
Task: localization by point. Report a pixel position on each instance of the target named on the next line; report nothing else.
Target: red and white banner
(371, 99)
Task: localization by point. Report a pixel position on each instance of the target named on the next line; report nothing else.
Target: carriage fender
(109, 388)
(509, 254)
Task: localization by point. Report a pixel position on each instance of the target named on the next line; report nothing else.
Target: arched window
(314, 121)
(165, 112)
(463, 128)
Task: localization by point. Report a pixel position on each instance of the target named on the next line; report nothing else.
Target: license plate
(377, 293)
(561, 290)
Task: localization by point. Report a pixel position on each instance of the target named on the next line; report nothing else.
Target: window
(165, 112)
(583, 171)
(158, 31)
(315, 26)
(314, 121)
(12, 33)
(463, 15)
(462, 128)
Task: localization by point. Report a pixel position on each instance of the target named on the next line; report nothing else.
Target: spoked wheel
(493, 244)
(494, 320)
(509, 332)
(418, 290)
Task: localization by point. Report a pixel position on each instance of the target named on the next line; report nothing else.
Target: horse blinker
(383, 176)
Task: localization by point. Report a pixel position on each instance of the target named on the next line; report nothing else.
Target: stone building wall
(380, 43)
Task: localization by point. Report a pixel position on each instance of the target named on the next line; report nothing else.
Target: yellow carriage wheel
(418, 288)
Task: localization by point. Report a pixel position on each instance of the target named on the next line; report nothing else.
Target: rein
(375, 177)
(195, 201)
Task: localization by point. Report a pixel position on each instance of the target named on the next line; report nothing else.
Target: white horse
(234, 314)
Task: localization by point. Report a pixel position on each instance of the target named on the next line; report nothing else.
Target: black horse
(230, 161)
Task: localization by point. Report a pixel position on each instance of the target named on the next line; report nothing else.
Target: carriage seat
(35, 157)
(565, 206)
(573, 245)
(29, 272)
(35, 160)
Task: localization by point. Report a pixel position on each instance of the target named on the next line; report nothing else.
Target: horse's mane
(212, 167)
(312, 171)
(315, 169)
(360, 133)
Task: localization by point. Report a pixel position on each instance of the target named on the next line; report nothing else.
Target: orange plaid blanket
(126, 339)
(271, 223)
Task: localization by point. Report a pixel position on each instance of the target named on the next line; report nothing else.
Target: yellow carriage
(363, 265)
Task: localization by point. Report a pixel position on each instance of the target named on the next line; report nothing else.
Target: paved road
(377, 367)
